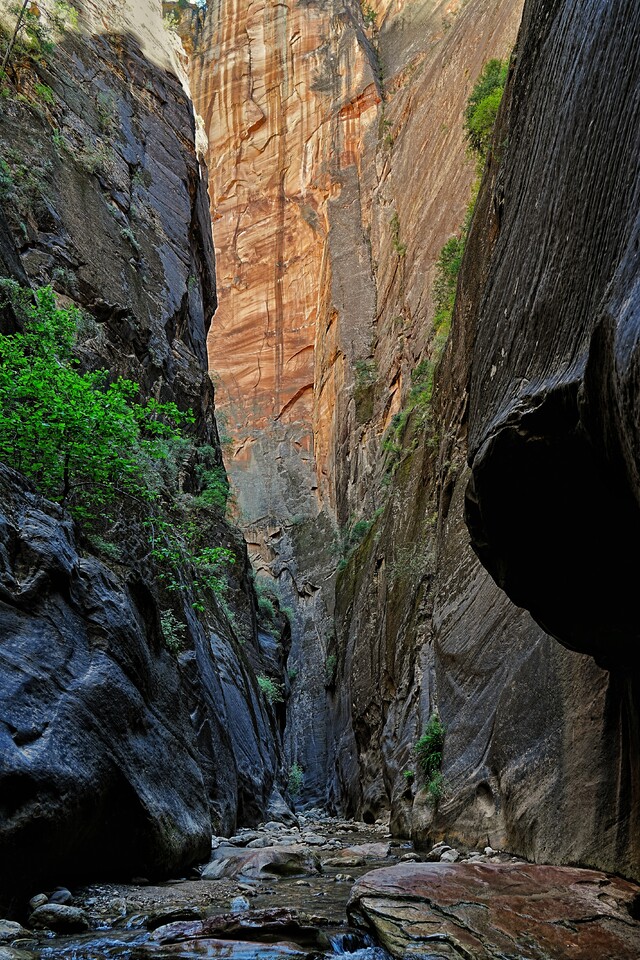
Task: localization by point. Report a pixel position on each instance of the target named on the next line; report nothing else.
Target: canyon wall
(124, 741)
(317, 119)
(338, 172)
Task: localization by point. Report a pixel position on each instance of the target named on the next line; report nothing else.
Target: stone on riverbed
(278, 861)
(10, 931)
(9, 953)
(274, 923)
(356, 856)
(59, 917)
(489, 911)
(227, 949)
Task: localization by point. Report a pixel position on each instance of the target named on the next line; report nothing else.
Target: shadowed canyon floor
(282, 891)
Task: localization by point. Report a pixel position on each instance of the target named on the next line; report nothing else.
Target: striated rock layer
(488, 911)
(338, 171)
(529, 726)
(318, 121)
(553, 499)
(117, 756)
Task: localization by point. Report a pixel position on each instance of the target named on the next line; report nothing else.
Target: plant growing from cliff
(30, 38)
(271, 689)
(87, 442)
(295, 781)
(399, 247)
(79, 437)
(482, 108)
(173, 631)
(369, 15)
(428, 751)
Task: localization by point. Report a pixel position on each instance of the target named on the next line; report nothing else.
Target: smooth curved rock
(553, 505)
(278, 861)
(59, 917)
(488, 911)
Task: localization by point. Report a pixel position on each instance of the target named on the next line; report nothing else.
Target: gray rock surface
(117, 758)
(554, 401)
(59, 917)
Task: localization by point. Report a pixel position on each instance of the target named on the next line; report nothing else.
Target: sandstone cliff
(116, 756)
(338, 172)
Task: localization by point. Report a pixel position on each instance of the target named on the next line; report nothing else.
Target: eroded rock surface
(488, 911)
(115, 757)
(553, 388)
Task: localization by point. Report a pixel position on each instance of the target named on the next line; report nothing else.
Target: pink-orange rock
(491, 911)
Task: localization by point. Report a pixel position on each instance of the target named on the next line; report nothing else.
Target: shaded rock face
(117, 757)
(422, 626)
(552, 505)
(100, 766)
(487, 911)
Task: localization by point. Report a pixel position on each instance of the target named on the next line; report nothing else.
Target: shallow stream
(261, 917)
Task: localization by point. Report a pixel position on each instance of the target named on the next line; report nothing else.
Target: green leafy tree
(79, 437)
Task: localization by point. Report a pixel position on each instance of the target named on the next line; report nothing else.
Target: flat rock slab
(497, 911)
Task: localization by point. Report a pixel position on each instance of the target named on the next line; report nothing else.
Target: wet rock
(225, 950)
(161, 918)
(38, 900)
(410, 858)
(260, 842)
(59, 917)
(61, 895)
(489, 912)
(357, 855)
(274, 923)
(277, 861)
(13, 953)
(239, 904)
(10, 930)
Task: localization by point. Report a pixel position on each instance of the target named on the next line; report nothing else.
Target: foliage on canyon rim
(29, 33)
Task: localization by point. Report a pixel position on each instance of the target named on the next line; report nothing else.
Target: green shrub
(428, 751)
(296, 780)
(270, 688)
(399, 247)
(77, 436)
(90, 445)
(266, 609)
(482, 107)
(44, 93)
(330, 666)
(173, 631)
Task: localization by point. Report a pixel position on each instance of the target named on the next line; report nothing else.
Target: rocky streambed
(324, 886)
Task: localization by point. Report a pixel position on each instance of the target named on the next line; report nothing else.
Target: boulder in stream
(489, 911)
(278, 861)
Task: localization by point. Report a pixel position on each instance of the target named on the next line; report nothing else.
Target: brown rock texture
(316, 183)
(421, 626)
(492, 911)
